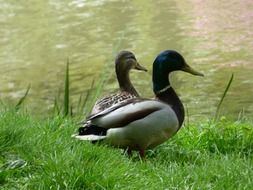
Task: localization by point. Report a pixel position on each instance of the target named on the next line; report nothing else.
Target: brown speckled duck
(124, 62)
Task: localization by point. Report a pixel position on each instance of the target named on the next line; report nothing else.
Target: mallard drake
(124, 62)
(140, 124)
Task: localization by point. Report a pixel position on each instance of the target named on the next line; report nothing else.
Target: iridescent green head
(166, 62)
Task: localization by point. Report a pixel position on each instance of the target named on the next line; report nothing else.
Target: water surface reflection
(38, 38)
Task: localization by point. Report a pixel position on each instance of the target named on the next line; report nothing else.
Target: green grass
(40, 154)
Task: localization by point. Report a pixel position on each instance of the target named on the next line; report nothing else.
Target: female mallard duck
(140, 124)
(124, 62)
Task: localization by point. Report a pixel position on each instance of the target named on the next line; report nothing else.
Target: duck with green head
(141, 124)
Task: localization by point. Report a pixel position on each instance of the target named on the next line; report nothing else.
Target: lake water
(215, 37)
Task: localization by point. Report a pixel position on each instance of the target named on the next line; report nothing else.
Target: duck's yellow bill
(188, 69)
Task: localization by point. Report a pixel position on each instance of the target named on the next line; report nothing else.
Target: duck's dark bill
(139, 67)
(188, 69)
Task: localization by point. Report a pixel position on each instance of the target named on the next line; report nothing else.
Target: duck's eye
(131, 57)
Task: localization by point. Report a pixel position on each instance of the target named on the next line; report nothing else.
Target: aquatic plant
(22, 99)
(66, 91)
(223, 96)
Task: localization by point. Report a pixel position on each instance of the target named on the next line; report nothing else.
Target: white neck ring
(163, 90)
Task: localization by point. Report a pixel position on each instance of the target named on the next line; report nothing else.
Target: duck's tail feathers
(91, 133)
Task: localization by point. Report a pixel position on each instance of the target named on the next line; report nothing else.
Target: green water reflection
(37, 38)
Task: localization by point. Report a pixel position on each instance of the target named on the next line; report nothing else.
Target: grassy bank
(39, 154)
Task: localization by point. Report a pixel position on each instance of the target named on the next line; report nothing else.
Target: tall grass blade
(57, 109)
(87, 106)
(223, 96)
(22, 99)
(79, 109)
(1, 102)
(66, 91)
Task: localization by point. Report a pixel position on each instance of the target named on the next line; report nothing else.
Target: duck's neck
(165, 93)
(125, 83)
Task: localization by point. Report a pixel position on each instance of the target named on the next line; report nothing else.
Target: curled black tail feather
(92, 130)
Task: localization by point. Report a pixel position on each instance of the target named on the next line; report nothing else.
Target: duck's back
(110, 100)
